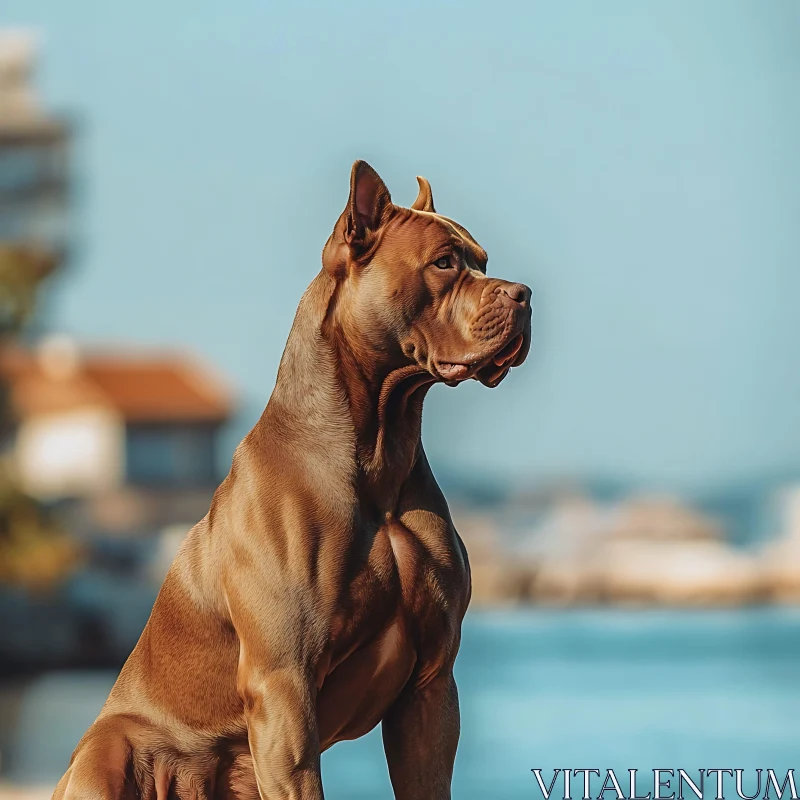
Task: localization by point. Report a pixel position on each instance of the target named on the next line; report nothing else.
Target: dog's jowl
(324, 591)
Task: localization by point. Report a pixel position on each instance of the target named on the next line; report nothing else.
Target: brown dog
(324, 591)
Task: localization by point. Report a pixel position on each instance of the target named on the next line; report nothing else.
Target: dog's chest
(403, 582)
(397, 624)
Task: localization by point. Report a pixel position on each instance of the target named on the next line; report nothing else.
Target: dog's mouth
(489, 370)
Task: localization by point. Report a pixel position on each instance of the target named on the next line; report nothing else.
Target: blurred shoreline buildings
(573, 549)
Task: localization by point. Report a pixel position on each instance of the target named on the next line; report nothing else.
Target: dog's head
(412, 289)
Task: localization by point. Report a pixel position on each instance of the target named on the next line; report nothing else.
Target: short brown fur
(324, 591)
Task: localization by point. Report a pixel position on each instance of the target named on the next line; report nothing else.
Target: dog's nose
(518, 292)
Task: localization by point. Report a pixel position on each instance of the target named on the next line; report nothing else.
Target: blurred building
(567, 547)
(124, 443)
(120, 448)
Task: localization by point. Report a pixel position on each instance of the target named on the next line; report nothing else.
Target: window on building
(172, 455)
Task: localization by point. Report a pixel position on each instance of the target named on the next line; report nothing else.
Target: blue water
(581, 689)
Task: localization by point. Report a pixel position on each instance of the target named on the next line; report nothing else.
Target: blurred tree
(22, 270)
(34, 551)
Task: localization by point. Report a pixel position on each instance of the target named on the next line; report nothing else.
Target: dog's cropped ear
(424, 201)
(368, 203)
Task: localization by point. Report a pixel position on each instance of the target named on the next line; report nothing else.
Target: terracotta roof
(142, 388)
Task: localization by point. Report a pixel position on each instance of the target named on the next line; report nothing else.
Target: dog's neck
(352, 407)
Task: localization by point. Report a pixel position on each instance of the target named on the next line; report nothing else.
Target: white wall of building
(72, 453)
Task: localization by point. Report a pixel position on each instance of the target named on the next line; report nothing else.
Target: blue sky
(635, 163)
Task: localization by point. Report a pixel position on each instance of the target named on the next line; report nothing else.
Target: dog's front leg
(281, 719)
(420, 737)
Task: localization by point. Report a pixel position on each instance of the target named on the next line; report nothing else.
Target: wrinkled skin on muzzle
(492, 322)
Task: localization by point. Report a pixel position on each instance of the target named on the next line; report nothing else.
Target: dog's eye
(443, 263)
